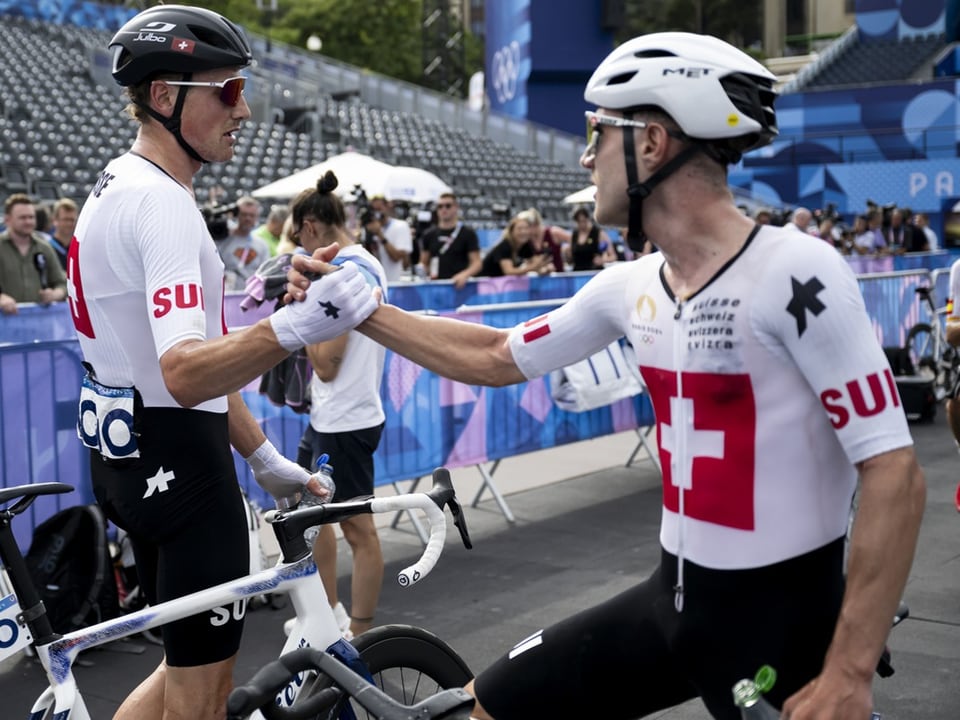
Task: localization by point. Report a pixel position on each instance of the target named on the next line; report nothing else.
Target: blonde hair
(531, 215)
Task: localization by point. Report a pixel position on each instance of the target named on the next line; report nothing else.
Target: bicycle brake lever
(460, 521)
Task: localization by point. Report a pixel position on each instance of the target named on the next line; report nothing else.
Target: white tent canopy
(401, 183)
(351, 168)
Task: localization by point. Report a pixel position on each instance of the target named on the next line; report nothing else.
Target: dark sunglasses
(444, 206)
(231, 89)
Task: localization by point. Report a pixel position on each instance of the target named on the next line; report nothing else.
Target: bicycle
(402, 658)
(930, 352)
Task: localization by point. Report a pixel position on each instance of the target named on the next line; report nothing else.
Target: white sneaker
(343, 621)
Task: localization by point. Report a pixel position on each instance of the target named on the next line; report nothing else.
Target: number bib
(106, 420)
(14, 637)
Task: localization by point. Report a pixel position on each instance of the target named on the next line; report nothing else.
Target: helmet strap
(638, 191)
(172, 123)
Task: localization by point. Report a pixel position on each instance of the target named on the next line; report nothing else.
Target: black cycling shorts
(635, 654)
(351, 456)
(182, 507)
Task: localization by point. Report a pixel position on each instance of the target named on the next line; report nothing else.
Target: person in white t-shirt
(396, 240)
(346, 414)
(747, 340)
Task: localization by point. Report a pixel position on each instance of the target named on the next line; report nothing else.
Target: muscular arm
(327, 357)
(463, 351)
(197, 370)
(882, 546)
(953, 331)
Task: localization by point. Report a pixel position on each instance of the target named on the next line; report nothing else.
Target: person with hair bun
(346, 413)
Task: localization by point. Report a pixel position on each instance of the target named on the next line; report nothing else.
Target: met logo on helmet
(692, 72)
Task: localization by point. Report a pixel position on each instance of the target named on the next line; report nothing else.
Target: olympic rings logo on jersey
(505, 71)
(105, 421)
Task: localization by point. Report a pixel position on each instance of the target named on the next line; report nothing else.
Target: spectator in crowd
(543, 240)
(587, 246)
(902, 236)
(451, 244)
(869, 238)
(65, 213)
(370, 232)
(763, 216)
(827, 231)
(149, 318)
(515, 254)
(29, 268)
(800, 220)
(922, 221)
(756, 534)
(270, 230)
(241, 252)
(346, 414)
(396, 240)
(44, 220)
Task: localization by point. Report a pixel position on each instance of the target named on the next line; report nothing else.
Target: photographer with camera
(396, 240)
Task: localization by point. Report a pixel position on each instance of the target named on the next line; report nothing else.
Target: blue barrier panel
(430, 421)
(39, 387)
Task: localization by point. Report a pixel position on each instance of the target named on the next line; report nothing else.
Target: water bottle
(325, 475)
(306, 498)
(748, 696)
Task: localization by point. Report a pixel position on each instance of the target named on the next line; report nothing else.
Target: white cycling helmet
(712, 90)
(721, 99)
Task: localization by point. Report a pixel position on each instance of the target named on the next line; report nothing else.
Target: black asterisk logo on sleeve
(805, 298)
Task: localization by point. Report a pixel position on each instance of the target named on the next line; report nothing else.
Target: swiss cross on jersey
(706, 439)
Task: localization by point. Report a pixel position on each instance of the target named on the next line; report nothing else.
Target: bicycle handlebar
(289, 526)
(261, 692)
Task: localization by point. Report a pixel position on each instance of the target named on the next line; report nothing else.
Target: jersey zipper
(678, 458)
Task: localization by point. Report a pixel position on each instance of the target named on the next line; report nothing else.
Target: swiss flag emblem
(715, 422)
(182, 45)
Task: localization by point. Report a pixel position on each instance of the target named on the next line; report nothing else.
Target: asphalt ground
(585, 528)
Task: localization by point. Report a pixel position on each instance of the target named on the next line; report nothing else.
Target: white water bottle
(325, 475)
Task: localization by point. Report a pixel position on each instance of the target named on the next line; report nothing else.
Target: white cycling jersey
(768, 385)
(953, 302)
(143, 275)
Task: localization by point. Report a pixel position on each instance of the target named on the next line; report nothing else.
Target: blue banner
(508, 56)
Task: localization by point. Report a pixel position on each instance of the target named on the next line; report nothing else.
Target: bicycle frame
(315, 625)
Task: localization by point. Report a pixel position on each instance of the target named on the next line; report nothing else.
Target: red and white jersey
(768, 385)
(143, 274)
(953, 301)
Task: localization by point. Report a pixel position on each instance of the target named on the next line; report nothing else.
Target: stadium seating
(877, 61)
(58, 127)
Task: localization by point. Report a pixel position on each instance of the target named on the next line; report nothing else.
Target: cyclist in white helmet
(772, 399)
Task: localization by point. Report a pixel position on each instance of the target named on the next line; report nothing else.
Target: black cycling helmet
(176, 39)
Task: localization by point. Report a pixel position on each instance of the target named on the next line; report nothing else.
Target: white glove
(276, 474)
(336, 303)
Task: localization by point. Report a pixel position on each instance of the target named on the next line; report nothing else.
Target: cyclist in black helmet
(159, 407)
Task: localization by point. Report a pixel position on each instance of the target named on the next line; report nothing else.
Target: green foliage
(383, 36)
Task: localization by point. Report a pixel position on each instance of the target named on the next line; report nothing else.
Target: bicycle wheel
(920, 345)
(408, 663)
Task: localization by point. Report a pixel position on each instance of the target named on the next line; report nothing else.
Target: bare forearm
(246, 435)
(195, 371)
(953, 332)
(882, 546)
(464, 351)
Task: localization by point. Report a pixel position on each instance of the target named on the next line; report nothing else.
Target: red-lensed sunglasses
(231, 89)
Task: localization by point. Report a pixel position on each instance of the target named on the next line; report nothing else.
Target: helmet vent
(654, 54)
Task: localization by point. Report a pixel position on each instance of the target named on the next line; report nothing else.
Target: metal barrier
(431, 421)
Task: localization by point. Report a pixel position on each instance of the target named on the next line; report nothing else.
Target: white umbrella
(351, 168)
(411, 184)
(581, 197)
